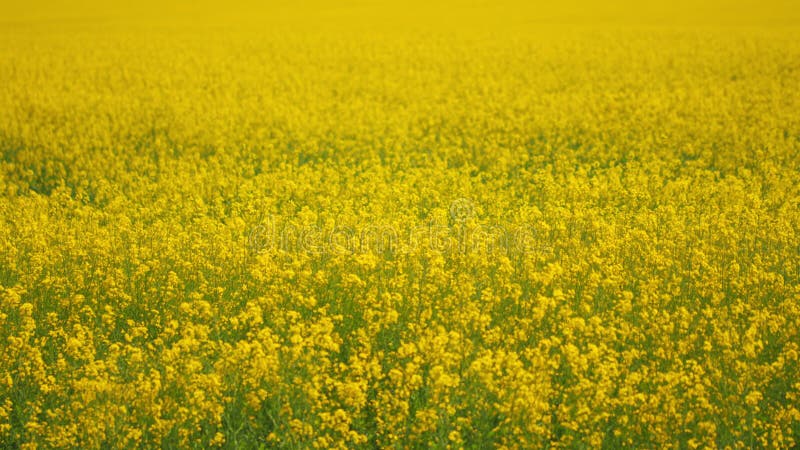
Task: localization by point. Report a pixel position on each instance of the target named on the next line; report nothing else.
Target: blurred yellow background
(415, 13)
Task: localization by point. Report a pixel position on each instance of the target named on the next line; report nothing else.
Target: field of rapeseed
(461, 225)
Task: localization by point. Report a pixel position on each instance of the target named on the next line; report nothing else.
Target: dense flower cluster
(653, 300)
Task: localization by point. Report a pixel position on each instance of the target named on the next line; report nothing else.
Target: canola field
(426, 225)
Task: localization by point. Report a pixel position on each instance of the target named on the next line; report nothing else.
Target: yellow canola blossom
(414, 225)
